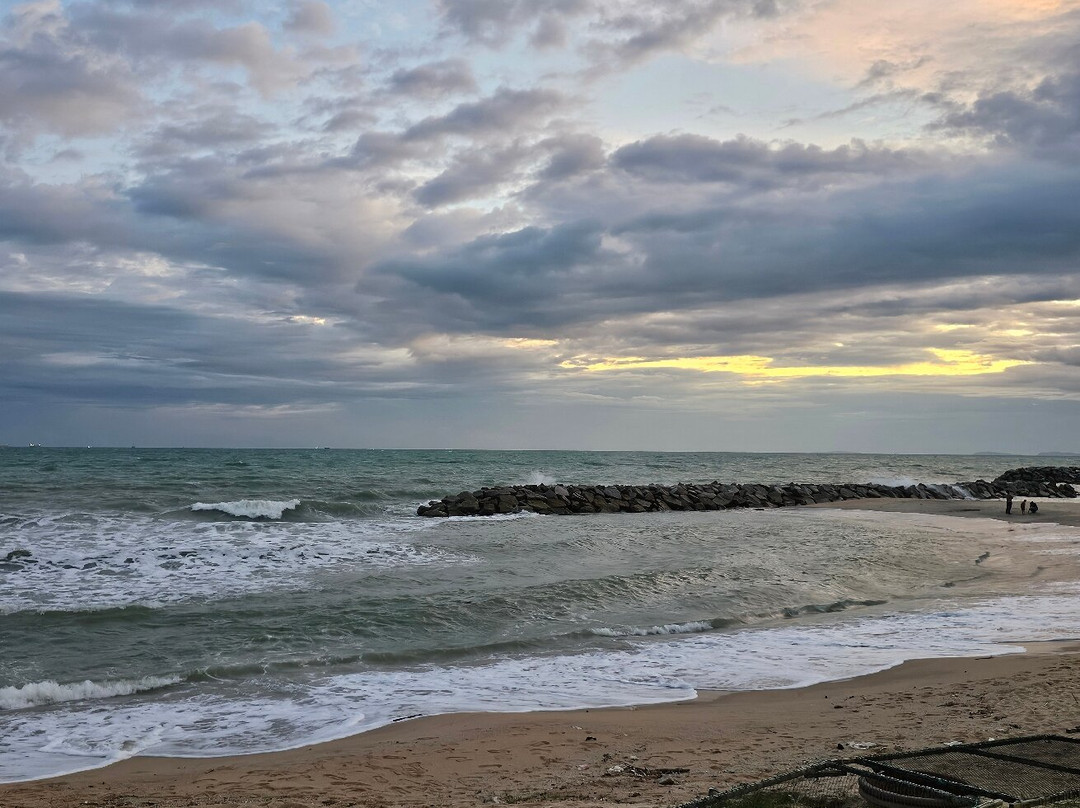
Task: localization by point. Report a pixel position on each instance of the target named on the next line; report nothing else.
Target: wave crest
(693, 627)
(250, 508)
(35, 694)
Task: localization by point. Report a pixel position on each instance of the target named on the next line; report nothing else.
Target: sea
(206, 602)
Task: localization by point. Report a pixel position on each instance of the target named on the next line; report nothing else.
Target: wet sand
(657, 755)
(1059, 511)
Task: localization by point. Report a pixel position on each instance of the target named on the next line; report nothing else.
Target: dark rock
(1048, 474)
(569, 499)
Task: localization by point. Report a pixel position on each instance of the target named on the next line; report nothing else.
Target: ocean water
(214, 602)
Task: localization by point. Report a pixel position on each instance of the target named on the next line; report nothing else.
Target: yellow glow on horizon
(761, 368)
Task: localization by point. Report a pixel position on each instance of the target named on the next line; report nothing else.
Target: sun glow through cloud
(520, 223)
(758, 368)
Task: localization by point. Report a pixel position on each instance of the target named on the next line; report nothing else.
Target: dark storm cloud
(1045, 118)
(494, 265)
(110, 351)
(917, 232)
(933, 230)
(503, 283)
(433, 80)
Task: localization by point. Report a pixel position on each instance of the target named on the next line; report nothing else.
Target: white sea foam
(105, 562)
(497, 517)
(692, 627)
(250, 508)
(203, 723)
(540, 478)
(34, 694)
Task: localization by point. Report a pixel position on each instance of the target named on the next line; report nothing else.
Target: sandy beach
(649, 756)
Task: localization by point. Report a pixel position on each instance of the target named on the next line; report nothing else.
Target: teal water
(192, 602)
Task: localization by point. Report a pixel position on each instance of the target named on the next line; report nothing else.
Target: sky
(723, 225)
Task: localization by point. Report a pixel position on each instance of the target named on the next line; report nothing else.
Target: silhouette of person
(1008, 501)
(1023, 507)
(1033, 508)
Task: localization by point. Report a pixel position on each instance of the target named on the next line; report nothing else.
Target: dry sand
(659, 755)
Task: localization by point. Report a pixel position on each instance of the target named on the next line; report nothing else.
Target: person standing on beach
(1008, 501)
(1023, 506)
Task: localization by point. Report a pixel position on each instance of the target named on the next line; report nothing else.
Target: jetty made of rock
(715, 496)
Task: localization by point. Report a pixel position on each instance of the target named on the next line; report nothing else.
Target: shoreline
(573, 757)
(1065, 512)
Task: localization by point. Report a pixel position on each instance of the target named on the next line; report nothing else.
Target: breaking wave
(540, 478)
(250, 508)
(693, 627)
(35, 694)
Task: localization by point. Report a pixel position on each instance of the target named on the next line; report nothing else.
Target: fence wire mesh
(1022, 771)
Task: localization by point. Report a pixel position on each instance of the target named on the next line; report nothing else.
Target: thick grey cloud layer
(203, 209)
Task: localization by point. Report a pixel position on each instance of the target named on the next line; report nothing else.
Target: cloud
(610, 35)
(433, 80)
(496, 22)
(252, 219)
(501, 283)
(472, 173)
(918, 49)
(572, 155)
(207, 128)
(53, 79)
(695, 158)
(638, 30)
(155, 41)
(505, 110)
(1045, 118)
(38, 214)
(311, 17)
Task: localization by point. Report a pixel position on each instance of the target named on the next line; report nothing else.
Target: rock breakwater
(715, 496)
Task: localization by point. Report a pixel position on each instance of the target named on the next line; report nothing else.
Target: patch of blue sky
(404, 23)
(674, 93)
